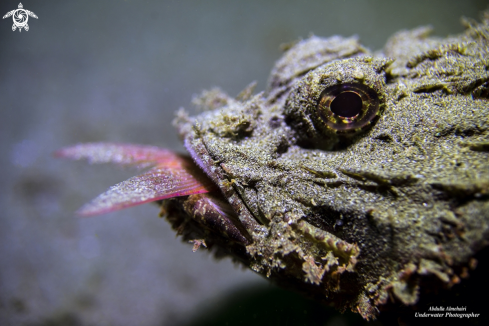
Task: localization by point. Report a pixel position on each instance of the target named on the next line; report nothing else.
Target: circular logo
(20, 17)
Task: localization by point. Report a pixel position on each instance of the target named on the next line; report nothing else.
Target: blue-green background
(116, 71)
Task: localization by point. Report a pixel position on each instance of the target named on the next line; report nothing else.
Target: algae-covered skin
(354, 201)
(360, 179)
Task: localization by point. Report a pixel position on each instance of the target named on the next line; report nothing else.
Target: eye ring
(348, 107)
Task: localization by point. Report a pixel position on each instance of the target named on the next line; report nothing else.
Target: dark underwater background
(117, 71)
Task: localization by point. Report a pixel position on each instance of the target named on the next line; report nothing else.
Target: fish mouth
(200, 155)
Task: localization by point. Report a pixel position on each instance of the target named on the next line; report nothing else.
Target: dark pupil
(347, 104)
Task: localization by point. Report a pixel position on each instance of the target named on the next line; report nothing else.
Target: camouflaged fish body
(355, 218)
(353, 178)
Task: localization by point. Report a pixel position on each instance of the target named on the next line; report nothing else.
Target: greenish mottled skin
(355, 220)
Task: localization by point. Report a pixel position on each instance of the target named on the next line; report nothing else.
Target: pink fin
(123, 154)
(153, 185)
(173, 175)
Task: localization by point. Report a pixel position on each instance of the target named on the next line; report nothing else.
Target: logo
(20, 16)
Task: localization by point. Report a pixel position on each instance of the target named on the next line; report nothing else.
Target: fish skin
(360, 218)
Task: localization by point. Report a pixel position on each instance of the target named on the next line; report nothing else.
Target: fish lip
(199, 161)
(197, 150)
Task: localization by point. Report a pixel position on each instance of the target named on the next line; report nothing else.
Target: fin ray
(139, 156)
(156, 184)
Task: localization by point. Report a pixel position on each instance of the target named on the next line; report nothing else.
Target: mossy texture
(361, 219)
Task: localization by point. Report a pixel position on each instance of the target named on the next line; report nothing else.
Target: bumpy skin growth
(354, 216)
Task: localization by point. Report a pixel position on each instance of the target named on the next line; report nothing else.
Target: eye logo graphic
(20, 17)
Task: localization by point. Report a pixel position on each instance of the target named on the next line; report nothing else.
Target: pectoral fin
(172, 175)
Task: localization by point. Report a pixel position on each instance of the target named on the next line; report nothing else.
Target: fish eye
(347, 105)
(347, 108)
(332, 104)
